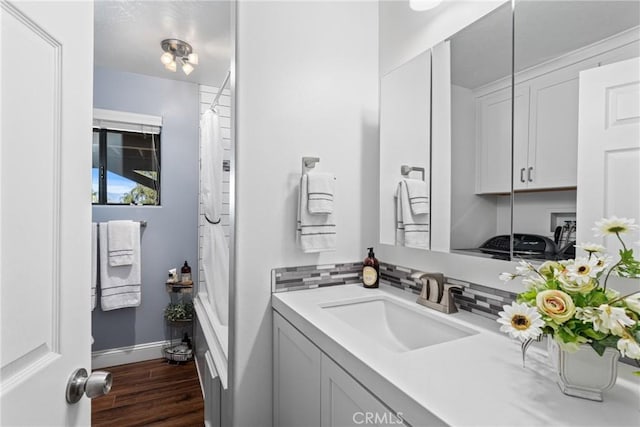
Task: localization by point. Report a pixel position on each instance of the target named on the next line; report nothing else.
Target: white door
(46, 74)
(609, 147)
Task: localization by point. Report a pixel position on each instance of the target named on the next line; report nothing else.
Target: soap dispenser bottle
(370, 271)
(185, 274)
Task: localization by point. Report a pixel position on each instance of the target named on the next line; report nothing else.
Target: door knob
(94, 385)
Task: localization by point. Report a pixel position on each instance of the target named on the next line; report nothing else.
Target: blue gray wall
(171, 234)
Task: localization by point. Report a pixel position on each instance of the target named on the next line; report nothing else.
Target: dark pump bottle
(185, 273)
(370, 271)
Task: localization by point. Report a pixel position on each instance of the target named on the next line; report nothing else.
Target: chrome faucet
(435, 293)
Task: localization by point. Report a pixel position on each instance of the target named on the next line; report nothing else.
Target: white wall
(307, 84)
(473, 217)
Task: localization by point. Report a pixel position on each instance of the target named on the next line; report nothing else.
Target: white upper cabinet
(545, 120)
(493, 138)
(552, 127)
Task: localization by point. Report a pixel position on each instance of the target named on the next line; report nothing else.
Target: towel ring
(406, 170)
(309, 163)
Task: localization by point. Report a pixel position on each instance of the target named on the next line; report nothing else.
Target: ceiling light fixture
(420, 5)
(177, 50)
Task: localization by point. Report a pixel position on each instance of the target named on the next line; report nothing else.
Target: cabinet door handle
(529, 174)
(522, 175)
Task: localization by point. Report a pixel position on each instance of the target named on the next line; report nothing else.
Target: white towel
(94, 264)
(120, 242)
(411, 230)
(119, 286)
(418, 196)
(320, 192)
(314, 233)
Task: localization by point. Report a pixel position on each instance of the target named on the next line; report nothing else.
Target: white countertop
(472, 381)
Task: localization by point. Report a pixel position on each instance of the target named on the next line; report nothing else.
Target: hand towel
(414, 228)
(94, 264)
(320, 192)
(120, 242)
(119, 286)
(314, 233)
(418, 196)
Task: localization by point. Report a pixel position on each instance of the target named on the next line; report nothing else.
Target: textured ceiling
(128, 35)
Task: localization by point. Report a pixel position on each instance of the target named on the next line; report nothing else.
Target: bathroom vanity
(343, 352)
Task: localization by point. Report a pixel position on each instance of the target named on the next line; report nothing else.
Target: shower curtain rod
(224, 84)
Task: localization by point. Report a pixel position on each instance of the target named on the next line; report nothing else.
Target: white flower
(520, 321)
(591, 247)
(582, 270)
(612, 320)
(587, 314)
(614, 225)
(507, 276)
(633, 302)
(629, 348)
(601, 263)
(524, 267)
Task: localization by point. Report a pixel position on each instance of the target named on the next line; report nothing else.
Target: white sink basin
(394, 325)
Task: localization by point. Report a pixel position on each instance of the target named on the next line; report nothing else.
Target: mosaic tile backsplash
(315, 276)
(478, 299)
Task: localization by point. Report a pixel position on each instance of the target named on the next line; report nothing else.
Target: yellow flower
(582, 287)
(549, 269)
(556, 304)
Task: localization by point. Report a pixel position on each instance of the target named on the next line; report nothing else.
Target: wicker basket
(178, 353)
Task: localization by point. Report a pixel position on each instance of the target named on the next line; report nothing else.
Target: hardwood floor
(151, 393)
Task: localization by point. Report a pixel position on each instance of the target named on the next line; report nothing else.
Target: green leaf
(594, 335)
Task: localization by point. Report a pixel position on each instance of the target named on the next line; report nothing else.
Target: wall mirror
(478, 62)
(405, 126)
(554, 42)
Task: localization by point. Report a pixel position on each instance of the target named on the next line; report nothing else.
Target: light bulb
(420, 5)
(193, 58)
(187, 68)
(171, 66)
(166, 58)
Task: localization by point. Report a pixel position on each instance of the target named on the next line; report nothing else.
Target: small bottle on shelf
(185, 274)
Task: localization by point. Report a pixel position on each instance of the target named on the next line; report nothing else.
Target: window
(126, 168)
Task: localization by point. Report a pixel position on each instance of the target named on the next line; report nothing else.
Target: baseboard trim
(129, 354)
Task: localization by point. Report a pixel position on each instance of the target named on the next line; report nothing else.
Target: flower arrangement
(569, 299)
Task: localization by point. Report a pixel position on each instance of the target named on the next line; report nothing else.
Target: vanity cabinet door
(345, 402)
(296, 377)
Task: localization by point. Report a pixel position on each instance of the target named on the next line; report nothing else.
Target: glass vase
(584, 373)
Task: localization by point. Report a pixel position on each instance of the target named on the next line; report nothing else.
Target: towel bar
(142, 224)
